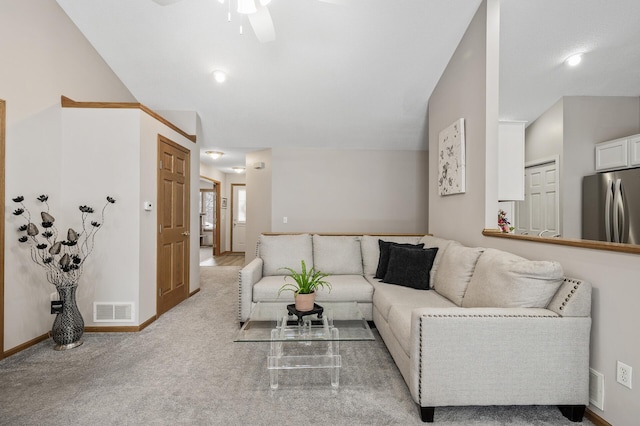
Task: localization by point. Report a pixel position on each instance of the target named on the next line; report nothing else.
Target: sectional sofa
(464, 325)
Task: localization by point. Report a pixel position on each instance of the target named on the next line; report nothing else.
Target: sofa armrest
(247, 278)
(498, 356)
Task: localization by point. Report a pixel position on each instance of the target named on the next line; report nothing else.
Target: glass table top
(269, 322)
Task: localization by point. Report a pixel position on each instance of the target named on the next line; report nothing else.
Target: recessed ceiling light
(238, 169)
(574, 60)
(214, 154)
(219, 76)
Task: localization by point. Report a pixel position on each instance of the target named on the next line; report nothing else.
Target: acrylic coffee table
(313, 342)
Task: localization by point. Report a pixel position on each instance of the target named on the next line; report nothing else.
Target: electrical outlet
(623, 375)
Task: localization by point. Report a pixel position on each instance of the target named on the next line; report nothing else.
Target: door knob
(186, 233)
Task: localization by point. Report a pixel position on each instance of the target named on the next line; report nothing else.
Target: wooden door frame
(160, 141)
(216, 249)
(3, 111)
(232, 205)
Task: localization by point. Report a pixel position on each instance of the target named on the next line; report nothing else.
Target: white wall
(126, 141)
(44, 56)
(613, 275)
(353, 191)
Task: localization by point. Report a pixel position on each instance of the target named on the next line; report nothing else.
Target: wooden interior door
(173, 224)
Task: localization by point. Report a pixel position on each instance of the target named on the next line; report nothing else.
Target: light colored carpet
(185, 369)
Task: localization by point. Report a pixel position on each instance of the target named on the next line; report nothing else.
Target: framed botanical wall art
(451, 159)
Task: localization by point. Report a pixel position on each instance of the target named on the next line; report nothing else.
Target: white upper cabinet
(634, 150)
(511, 160)
(618, 154)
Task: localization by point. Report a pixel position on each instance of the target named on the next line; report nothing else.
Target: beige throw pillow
(455, 271)
(504, 280)
(442, 244)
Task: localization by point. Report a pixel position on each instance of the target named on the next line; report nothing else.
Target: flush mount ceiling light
(219, 76)
(574, 60)
(238, 169)
(214, 154)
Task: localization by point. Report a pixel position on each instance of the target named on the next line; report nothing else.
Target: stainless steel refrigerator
(611, 207)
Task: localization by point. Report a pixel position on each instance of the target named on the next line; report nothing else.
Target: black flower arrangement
(62, 258)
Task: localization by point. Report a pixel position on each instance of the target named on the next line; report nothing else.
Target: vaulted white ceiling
(357, 74)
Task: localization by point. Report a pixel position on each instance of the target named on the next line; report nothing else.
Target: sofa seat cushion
(371, 249)
(344, 288)
(387, 295)
(278, 251)
(337, 255)
(504, 280)
(455, 271)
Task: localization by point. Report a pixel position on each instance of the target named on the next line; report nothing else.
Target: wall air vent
(113, 312)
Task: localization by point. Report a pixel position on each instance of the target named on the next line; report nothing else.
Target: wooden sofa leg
(426, 414)
(575, 413)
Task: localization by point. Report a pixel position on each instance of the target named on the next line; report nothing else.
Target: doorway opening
(210, 215)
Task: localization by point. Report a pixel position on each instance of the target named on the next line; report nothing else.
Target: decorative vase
(305, 302)
(68, 327)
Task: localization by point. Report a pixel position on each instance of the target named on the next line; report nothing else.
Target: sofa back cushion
(430, 241)
(504, 280)
(278, 251)
(371, 249)
(455, 270)
(337, 255)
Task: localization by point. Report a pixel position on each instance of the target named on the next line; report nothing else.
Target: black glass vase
(68, 327)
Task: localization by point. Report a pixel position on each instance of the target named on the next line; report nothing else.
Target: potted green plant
(304, 286)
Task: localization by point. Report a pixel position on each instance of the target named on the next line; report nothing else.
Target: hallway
(229, 259)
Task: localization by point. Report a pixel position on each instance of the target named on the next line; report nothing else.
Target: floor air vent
(112, 312)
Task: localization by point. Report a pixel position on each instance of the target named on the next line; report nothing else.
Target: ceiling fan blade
(166, 2)
(262, 25)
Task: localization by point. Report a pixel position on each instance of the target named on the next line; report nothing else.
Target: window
(207, 208)
(242, 205)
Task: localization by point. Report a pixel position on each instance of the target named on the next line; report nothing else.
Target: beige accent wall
(357, 191)
(613, 275)
(259, 198)
(462, 93)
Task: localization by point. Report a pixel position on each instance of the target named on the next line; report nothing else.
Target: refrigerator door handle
(607, 210)
(619, 219)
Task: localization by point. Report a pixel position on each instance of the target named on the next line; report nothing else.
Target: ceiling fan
(257, 13)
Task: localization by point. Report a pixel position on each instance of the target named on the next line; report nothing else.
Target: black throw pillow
(383, 260)
(410, 267)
